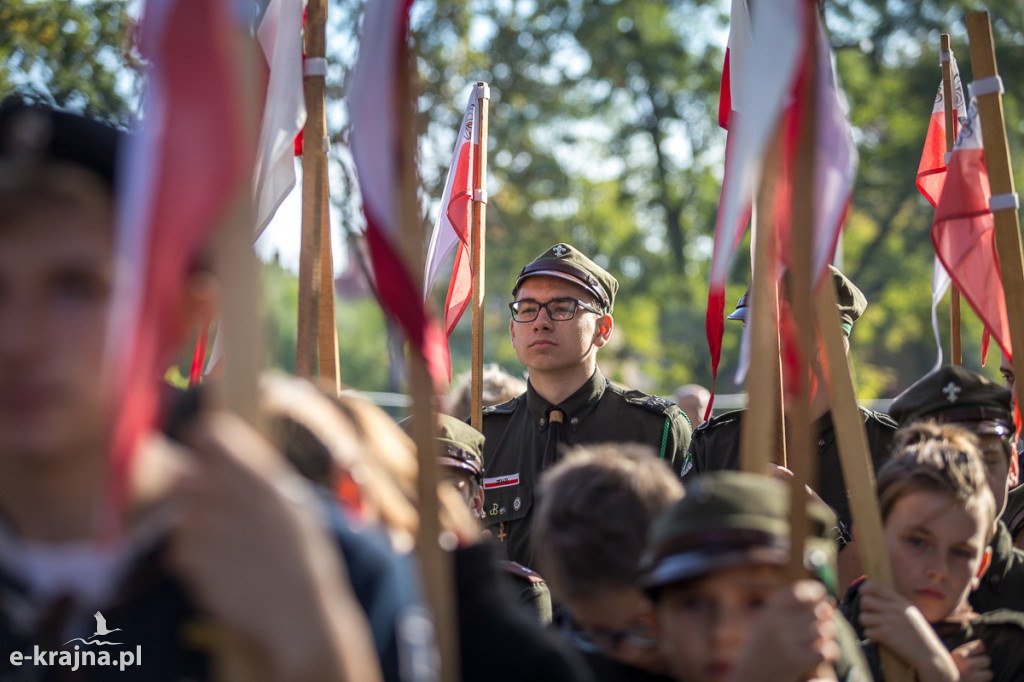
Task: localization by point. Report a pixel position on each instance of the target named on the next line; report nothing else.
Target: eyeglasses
(559, 309)
(602, 641)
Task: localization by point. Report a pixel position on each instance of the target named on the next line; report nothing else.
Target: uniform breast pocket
(507, 504)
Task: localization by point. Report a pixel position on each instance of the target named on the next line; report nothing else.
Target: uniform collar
(576, 407)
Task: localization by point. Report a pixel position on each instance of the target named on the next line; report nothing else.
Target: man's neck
(54, 501)
(555, 387)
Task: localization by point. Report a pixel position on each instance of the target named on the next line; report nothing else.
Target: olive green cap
(851, 301)
(728, 518)
(952, 394)
(566, 262)
(462, 446)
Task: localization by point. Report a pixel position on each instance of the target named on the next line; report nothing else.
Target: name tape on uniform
(501, 481)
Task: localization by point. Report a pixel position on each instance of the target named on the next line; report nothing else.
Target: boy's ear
(1014, 473)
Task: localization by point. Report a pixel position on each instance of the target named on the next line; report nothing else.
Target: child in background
(938, 515)
(724, 609)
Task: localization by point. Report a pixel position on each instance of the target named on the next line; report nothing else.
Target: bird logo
(101, 631)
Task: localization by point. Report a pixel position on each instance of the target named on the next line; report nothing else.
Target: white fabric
(284, 110)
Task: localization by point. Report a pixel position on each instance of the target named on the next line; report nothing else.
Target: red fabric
(725, 95)
(377, 154)
(172, 195)
(963, 234)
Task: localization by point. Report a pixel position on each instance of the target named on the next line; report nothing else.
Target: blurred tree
(73, 54)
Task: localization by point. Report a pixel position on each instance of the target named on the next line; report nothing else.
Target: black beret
(952, 394)
(38, 132)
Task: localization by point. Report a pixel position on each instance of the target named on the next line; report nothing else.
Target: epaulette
(1000, 617)
(522, 572)
(882, 417)
(728, 418)
(651, 403)
(507, 407)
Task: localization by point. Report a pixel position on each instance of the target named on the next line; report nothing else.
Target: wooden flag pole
(314, 187)
(763, 423)
(800, 439)
(438, 580)
(1000, 177)
(479, 242)
(327, 336)
(854, 456)
(955, 341)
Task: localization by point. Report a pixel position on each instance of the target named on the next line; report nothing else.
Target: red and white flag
(931, 172)
(931, 176)
(376, 151)
(735, 58)
(771, 87)
(963, 232)
(284, 107)
(758, 77)
(452, 227)
(187, 162)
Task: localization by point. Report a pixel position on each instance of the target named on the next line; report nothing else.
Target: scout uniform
(716, 443)
(520, 431)
(955, 395)
(1001, 631)
(730, 519)
(462, 448)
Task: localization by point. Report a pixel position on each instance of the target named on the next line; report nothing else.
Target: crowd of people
(594, 532)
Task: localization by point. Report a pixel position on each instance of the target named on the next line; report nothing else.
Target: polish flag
(931, 175)
(188, 162)
(376, 152)
(963, 232)
(931, 172)
(284, 107)
(759, 77)
(452, 226)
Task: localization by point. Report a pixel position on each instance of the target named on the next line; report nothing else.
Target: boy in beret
(561, 317)
(715, 569)
(954, 395)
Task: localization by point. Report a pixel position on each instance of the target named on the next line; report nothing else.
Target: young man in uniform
(954, 395)
(561, 316)
(716, 443)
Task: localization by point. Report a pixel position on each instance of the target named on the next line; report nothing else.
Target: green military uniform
(517, 432)
(716, 443)
(462, 448)
(1014, 513)
(956, 395)
(730, 519)
(716, 446)
(1001, 631)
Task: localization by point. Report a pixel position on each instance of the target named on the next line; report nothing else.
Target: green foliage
(603, 133)
(69, 53)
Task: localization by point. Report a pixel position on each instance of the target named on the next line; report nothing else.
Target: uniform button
(996, 579)
(501, 512)
(575, 421)
(542, 421)
(821, 443)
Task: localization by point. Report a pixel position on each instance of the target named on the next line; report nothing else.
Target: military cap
(952, 394)
(566, 262)
(462, 445)
(851, 301)
(38, 132)
(727, 518)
